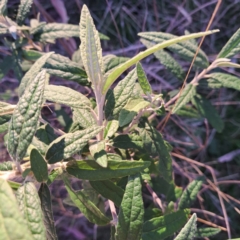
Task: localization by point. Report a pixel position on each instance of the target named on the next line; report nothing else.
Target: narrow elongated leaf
(97, 150)
(88, 208)
(91, 50)
(186, 95)
(130, 110)
(186, 49)
(167, 60)
(23, 10)
(68, 144)
(218, 80)
(67, 96)
(206, 232)
(206, 109)
(156, 146)
(232, 47)
(83, 117)
(111, 129)
(161, 227)
(189, 230)
(118, 98)
(12, 224)
(30, 207)
(3, 6)
(190, 193)
(24, 121)
(38, 166)
(109, 190)
(122, 68)
(46, 205)
(7, 110)
(90, 170)
(52, 31)
(142, 79)
(130, 218)
(32, 73)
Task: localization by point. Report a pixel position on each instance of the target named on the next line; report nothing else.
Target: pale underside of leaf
(23, 10)
(83, 117)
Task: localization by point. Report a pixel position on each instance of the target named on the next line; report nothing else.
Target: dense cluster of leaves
(112, 145)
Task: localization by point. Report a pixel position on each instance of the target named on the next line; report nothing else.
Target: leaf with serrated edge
(97, 150)
(90, 47)
(46, 205)
(68, 144)
(142, 79)
(38, 166)
(24, 121)
(186, 49)
(190, 193)
(30, 207)
(111, 129)
(67, 96)
(88, 208)
(118, 98)
(164, 226)
(207, 232)
(32, 73)
(130, 217)
(90, 170)
(167, 60)
(23, 10)
(122, 68)
(186, 95)
(225, 80)
(83, 117)
(207, 110)
(232, 47)
(109, 190)
(130, 110)
(189, 230)
(12, 224)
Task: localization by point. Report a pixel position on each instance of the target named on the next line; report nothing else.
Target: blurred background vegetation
(121, 21)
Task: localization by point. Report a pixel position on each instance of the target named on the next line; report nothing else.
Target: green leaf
(111, 129)
(23, 10)
(122, 68)
(52, 31)
(186, 49)
(45, 134)
(53, 175)
(97, 150)
(6, 65)
(3, 6)
(91, 212)
(91, 50)
(156, 146)
(142, 79)
(218, 80)
(3, 127)
(46, 205)
(67, 96)
(161, 227)
(130, 217)
(14, 185)
(206, 109)
(109, 190)
(118, 98)
(190, 193)
(206, 232)
(186, 95)
(189, 230)
(24, 121)
(12, 223)
(30, 207)
(6, 166)
(83, 117)
(32, 73)
(38, 166)
(90, 170)
(167, 60)
(126, 141)
(130, 110)
(68, 144)
(232, 47)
